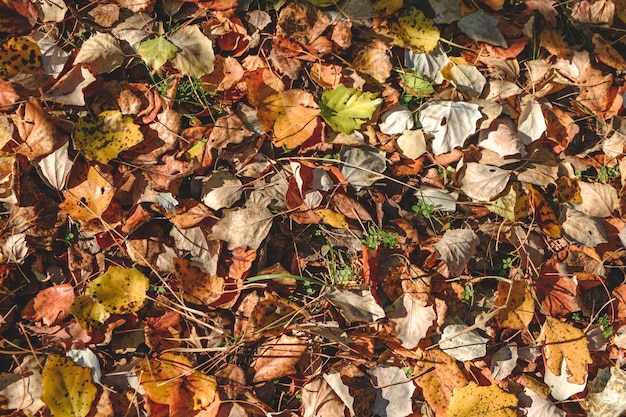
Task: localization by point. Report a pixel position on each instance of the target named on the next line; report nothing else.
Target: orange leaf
(544, 214)
(292, 115)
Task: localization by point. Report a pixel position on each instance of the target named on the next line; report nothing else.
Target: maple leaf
(346, 109)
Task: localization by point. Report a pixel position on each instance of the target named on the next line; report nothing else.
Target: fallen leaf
(456, 248)
(19, 55)
(412, 143)
(38, 131)
(69, 89)
(411, 319)
(519, 305)
(318, 398)
(488, 401)
(438, 375)
(356, 306)
(119, 290)
(68, 389)
(290, 115)
(567, 345)
(300, 21)
(504, 361)
(531, 123)
(157, 51)
(605, 393)
(278, 358)
(22, 388)
(412, 29)
(195, 56)
(582, 228)
(346, 109)
(544, 214)
(482, 27)
(502, 137)
(463, 344)
(363, 165)
(450, 123)
(396, 120)
(467, 79)
(244, 227)
(394, 391)
(170, 379)
(374, 60)
(598, 200)
(104, 138)
(197, 286)
(221, 190)
(51, 304)
(483, 182)
(102, 53)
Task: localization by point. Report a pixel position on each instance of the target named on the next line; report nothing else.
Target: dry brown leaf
(37, 130)
(278, 358)
(51, 305)
(520, 305)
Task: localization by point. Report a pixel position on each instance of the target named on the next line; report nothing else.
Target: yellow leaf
(332, 218)
(291, 115)
(119, 290)
(388, 6)
(564, 342)
(513, 205)
(68, 390)
(438, 384)
(171, 380)
(104, 138)
(520, 305)
(475, 401)
(544, 214)
(414, 30)
(19, 55)
(197, 286)
(87, 312)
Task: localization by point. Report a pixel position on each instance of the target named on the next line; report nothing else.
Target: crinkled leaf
(482, 401)
(195, 56)
(244, 227)
(68, 389)
(606, 393)
(456, 248)
(346, 109)
(119, 290)
(450, 122)
(104, 138)
(156, 52)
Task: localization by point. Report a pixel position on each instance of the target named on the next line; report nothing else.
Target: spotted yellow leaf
(104, 138)
(88, 313)
(68, 389)
(19, 55)
(120, 290)
(413, 30)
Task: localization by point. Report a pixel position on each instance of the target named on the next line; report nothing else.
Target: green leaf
(119, 290)
(156, 52)
(346, 109)
(68, 389)
(416, 84)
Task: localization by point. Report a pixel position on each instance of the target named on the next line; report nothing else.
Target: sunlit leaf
(414, 30)
(490, 401)
(88, 313)
(119, 290)
(450, 123)
(346, 109)
(104, 138)
(170, 379)
(291, 116)
(156, 52)
(568, 344)
(68, 389)
(102, 53)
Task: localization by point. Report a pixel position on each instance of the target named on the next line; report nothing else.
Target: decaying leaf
(411, 319)
(412, 29)
(462, 343)
(245, 227)
(19, 55)
(519, 305)
(278, 358)
(157, 51)
(606, 392)
(483, 182)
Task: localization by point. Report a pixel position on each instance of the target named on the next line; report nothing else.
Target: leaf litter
(312, 208)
